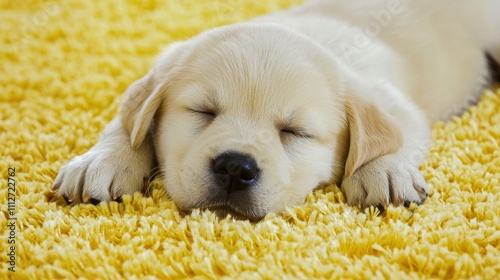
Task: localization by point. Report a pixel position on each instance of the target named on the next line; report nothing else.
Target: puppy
(249, 118)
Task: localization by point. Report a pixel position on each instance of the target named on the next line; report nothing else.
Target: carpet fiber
(64, 65)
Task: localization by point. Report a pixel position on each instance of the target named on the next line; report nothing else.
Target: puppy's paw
(387, 179)
(104, 173)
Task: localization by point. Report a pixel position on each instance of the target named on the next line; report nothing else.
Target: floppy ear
(143, 98)
(372, 134)
(139, 105)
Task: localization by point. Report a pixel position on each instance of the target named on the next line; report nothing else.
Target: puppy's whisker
(148, 181)
(154, 172)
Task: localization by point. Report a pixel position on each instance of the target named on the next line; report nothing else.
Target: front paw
(388, 179)
(104, 173)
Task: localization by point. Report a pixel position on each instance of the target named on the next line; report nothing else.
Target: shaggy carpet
(64, 65)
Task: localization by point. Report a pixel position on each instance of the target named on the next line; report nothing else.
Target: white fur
(411, 62)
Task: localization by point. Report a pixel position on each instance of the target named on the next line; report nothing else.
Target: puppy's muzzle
(235, 171)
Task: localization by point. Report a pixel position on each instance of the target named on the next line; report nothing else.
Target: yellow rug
(64, 65)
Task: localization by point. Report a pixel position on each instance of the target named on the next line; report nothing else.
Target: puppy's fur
(247, 119)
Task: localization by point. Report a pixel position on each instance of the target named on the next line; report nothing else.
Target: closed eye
(204, 112)
(295, 132)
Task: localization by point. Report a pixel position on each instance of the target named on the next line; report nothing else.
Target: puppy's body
(434, 53)
(249, 118)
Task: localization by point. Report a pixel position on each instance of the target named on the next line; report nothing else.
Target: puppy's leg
(390, 137)
(124, 156)
(387, 179)
(108, 170)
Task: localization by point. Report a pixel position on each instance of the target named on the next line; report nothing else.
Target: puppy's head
(248, 119)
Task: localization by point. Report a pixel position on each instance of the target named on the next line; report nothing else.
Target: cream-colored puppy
(247, 119)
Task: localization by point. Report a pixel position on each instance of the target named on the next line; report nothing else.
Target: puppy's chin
(223, 211)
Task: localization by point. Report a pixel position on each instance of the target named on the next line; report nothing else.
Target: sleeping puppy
(249, 118)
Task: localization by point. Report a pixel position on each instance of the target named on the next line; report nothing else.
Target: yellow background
(63, 67)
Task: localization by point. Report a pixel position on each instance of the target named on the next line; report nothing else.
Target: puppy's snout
(234, 171)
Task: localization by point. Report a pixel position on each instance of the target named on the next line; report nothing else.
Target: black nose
(235, 171)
